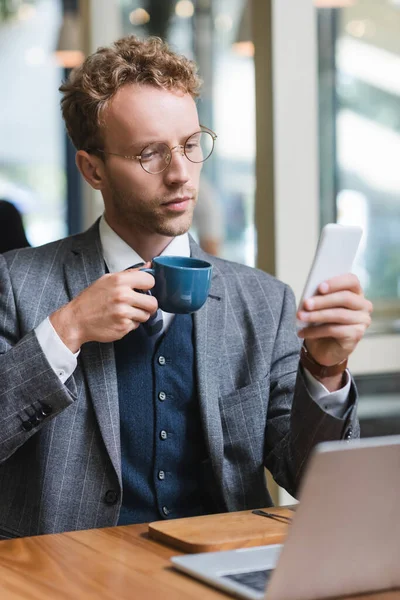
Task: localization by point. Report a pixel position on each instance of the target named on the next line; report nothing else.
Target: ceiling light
(334, 3)
(184, 9)
(244, 48)
(69, 53)
(243, 44)
(139, 16)
(361, 28)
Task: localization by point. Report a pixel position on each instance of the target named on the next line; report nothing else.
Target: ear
(91, 167)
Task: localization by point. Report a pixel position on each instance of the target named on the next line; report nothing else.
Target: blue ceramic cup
(182, 284)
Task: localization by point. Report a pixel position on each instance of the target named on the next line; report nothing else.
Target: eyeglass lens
(156, 157)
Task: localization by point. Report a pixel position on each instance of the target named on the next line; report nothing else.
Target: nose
(178, 169)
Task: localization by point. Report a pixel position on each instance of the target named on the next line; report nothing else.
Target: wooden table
(115, 564)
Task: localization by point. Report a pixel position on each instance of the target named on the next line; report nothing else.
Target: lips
(177, 200)
(178, 204)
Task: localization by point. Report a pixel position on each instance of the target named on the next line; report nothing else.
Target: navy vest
(162, 442)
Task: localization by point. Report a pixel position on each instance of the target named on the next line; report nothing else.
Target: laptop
(344, 537)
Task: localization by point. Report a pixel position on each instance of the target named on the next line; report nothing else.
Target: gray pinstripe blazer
(254, 405)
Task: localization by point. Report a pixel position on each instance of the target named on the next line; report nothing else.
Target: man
(101, 424)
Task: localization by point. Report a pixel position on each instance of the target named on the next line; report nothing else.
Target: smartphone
(335, 254)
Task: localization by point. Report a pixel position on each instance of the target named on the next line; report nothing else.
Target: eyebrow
(140, 145)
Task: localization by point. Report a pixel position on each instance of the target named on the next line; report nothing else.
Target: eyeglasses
(156, 157)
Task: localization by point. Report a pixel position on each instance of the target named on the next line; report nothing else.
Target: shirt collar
(118, 255)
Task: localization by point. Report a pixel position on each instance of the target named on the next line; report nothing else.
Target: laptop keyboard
(256, 580)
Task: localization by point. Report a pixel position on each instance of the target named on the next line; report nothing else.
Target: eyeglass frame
(138, 157)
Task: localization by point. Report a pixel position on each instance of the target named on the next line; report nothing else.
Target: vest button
(163, 434)
(161, 360)
(161, 475)
(111, 497)
(348, 434)
(162, 396)
(165, 510)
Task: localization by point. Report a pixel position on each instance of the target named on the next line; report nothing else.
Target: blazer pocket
(244, 416)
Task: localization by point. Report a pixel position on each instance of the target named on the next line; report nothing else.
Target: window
(359, 85)
(31, 130)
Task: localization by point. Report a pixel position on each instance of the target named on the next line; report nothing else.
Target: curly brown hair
(90, 88)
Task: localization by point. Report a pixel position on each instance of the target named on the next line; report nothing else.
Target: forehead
(145, 113)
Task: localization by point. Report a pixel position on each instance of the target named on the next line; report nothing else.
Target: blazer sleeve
(30, 391)
(295, 422)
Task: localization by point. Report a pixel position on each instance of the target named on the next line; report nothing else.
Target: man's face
(136, 200)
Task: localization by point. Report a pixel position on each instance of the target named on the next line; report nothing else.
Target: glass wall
(31, 130)
(359, 77)
(208, 32)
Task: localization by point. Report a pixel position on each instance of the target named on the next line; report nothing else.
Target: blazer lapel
(209, 322)
(84, 266)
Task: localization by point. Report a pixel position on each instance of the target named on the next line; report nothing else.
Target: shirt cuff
(61, 359)
(334, 403)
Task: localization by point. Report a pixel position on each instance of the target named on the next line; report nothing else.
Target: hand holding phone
(335, 254)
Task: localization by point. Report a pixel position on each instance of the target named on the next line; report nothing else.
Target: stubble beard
(146, 214)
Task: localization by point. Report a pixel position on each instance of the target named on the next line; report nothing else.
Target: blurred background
(304, 98)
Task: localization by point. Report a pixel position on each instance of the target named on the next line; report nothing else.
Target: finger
(338, 332)
(131, 320)
(343, 299)
(124, 296)
(336, 315)
(144, 301)
(137, 315)
(348, 281)
(137, 279)
(131, 278)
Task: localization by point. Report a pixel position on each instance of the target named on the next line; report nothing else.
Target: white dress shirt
(118, 256)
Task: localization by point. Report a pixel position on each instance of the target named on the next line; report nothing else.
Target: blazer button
(111, 497)
(34, 420)
(27, 425)
(46, 410)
